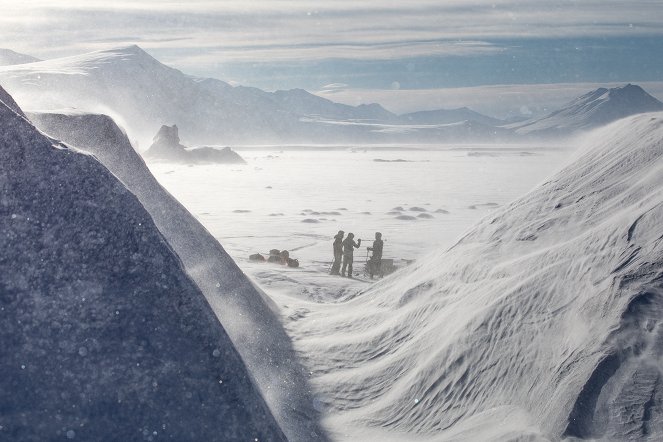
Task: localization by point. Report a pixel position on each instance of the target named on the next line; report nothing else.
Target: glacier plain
(541, 323)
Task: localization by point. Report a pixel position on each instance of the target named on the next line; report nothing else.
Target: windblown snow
(245, 312)
(142, 94)
(102, 332)
(544, 321)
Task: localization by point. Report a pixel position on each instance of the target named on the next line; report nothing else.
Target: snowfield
(544, 321)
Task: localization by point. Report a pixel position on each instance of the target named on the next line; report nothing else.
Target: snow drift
(102, 333)
(245, 312)
(544, 321)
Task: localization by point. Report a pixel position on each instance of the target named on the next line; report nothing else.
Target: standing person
(338, 253)
(376, 258)
(349, 245)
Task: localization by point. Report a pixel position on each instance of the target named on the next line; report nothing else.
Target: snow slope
(592, 110)
(245, 312)
(9, 57)
(544, 321)
(102, 333)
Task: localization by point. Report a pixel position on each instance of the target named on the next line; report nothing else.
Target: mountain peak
(9, 57)
(129, 50)
(594, 109)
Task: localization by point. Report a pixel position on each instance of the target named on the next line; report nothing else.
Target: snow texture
(543, 322)
(102, 333)
(246, 313)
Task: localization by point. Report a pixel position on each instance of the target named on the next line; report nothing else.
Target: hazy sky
(340, 46)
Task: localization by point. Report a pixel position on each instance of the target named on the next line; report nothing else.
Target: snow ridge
(543, 321)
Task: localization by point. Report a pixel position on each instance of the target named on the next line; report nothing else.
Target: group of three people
(344, 253)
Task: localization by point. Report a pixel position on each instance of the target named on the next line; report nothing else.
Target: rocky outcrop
(244, 311)
(103, 335)
(166, 146)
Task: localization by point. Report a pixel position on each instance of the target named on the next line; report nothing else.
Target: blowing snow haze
(143, 94)
(174, 175)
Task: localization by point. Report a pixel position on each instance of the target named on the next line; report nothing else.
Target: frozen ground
(541, 323)
(273, 201)
(297, 200)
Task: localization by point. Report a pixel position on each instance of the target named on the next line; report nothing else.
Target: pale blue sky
(352, 45)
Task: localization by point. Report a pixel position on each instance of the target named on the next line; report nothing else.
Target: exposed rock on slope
(545, 320)
(102, 333)
(166, 146)
(244, 311)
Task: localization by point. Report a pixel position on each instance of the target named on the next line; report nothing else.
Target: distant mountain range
(592, 110)
(447, 116)
(142, 94)
(9, 57)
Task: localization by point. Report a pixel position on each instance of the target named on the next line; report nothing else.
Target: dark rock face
(103, 336)
(268, 354)
(166, 146)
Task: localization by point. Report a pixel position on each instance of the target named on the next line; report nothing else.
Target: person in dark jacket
(349, 245)
(338, 253)
(375, 263)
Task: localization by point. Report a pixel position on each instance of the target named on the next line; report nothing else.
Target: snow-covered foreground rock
(544, 321)
(103, 335)
(245, 312)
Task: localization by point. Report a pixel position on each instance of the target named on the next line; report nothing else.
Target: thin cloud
(260, 30)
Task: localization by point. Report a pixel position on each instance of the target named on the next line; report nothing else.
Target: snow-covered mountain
(245, 312)
(142, 94)
(446, 116)
(307, 104)
(544, 321)
(594, 109)
(9, 57)
(102, 332)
